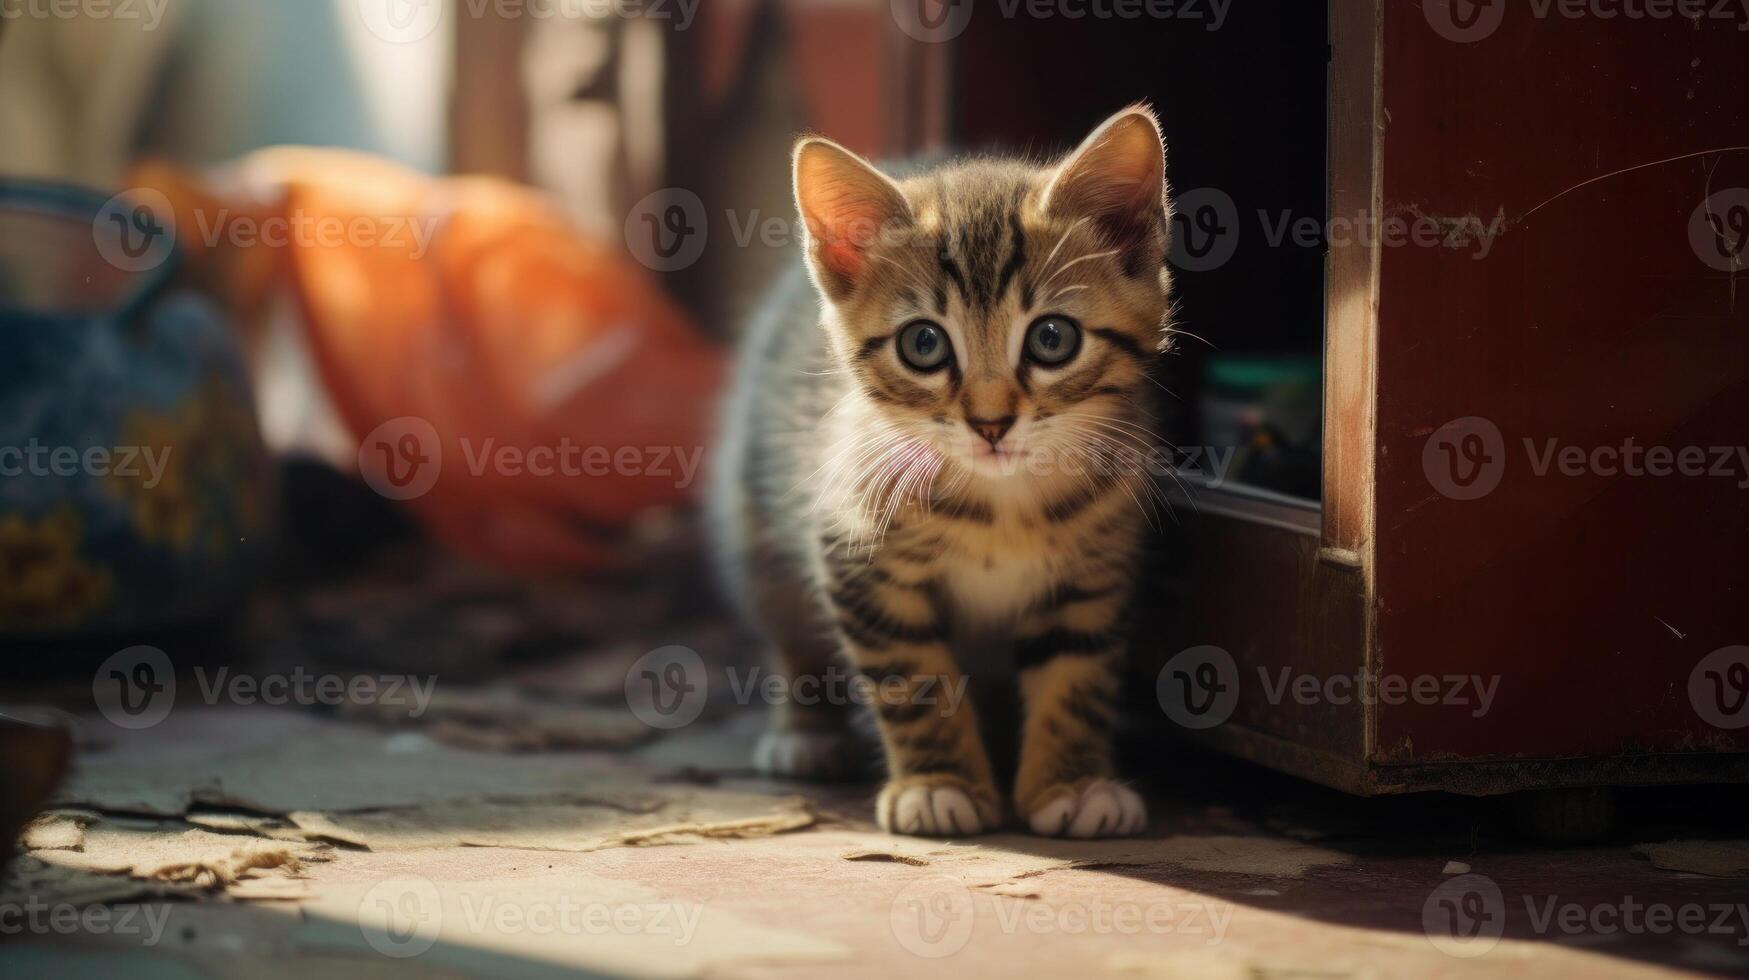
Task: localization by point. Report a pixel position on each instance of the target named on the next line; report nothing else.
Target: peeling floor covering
(264, 843)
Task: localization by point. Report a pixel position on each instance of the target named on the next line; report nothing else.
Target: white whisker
(1075, 262)
(1059, 246)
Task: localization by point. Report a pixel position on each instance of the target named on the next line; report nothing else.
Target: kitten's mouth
(1004, 461)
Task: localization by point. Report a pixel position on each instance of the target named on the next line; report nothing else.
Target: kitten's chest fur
(993, 573)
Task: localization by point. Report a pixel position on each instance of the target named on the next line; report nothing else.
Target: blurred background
(366, 343)
(461, 273)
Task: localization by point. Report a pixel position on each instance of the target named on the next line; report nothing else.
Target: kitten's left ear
(848, 206)
(1117, 177)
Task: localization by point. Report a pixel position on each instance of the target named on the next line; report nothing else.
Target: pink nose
(992, 429)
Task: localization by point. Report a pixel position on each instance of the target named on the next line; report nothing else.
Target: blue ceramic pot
(134, 488)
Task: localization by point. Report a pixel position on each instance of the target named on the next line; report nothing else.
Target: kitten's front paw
(1089, 808)
(819, 756)
(936, 806)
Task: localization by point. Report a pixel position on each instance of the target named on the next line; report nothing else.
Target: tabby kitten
(938, 449)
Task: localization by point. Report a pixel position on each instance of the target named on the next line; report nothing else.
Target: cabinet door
(1580, 326)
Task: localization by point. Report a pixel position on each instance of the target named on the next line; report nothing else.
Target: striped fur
(858, 512)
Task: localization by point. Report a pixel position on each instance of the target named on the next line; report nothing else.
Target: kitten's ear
(847, 204)
(1117, 177)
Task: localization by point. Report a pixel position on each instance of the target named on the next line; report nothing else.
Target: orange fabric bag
(551, 392)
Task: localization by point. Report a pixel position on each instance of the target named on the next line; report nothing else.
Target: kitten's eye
(1053, 339)
(923, 345)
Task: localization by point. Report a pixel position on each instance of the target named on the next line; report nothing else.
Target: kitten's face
(1004, 316)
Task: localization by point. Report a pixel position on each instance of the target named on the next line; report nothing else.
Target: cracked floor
(228, 841)
(506, 810)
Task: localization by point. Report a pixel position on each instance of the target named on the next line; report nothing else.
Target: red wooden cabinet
(1532, 477)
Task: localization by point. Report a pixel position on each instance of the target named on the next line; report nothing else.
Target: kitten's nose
(992, 429)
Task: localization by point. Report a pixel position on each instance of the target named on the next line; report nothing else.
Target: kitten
(937, 449)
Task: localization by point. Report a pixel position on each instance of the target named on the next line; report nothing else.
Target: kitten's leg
(938, 775)
(810, 734)
(1070, 657)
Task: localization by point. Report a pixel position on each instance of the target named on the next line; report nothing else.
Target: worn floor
(255, 841)
(527, 816)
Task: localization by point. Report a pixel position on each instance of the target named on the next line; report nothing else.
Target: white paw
(929, 810)
(803, 755)
(1102, 809)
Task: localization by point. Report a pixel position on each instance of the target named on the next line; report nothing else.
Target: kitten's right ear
(1117, 177)
(846, 204)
